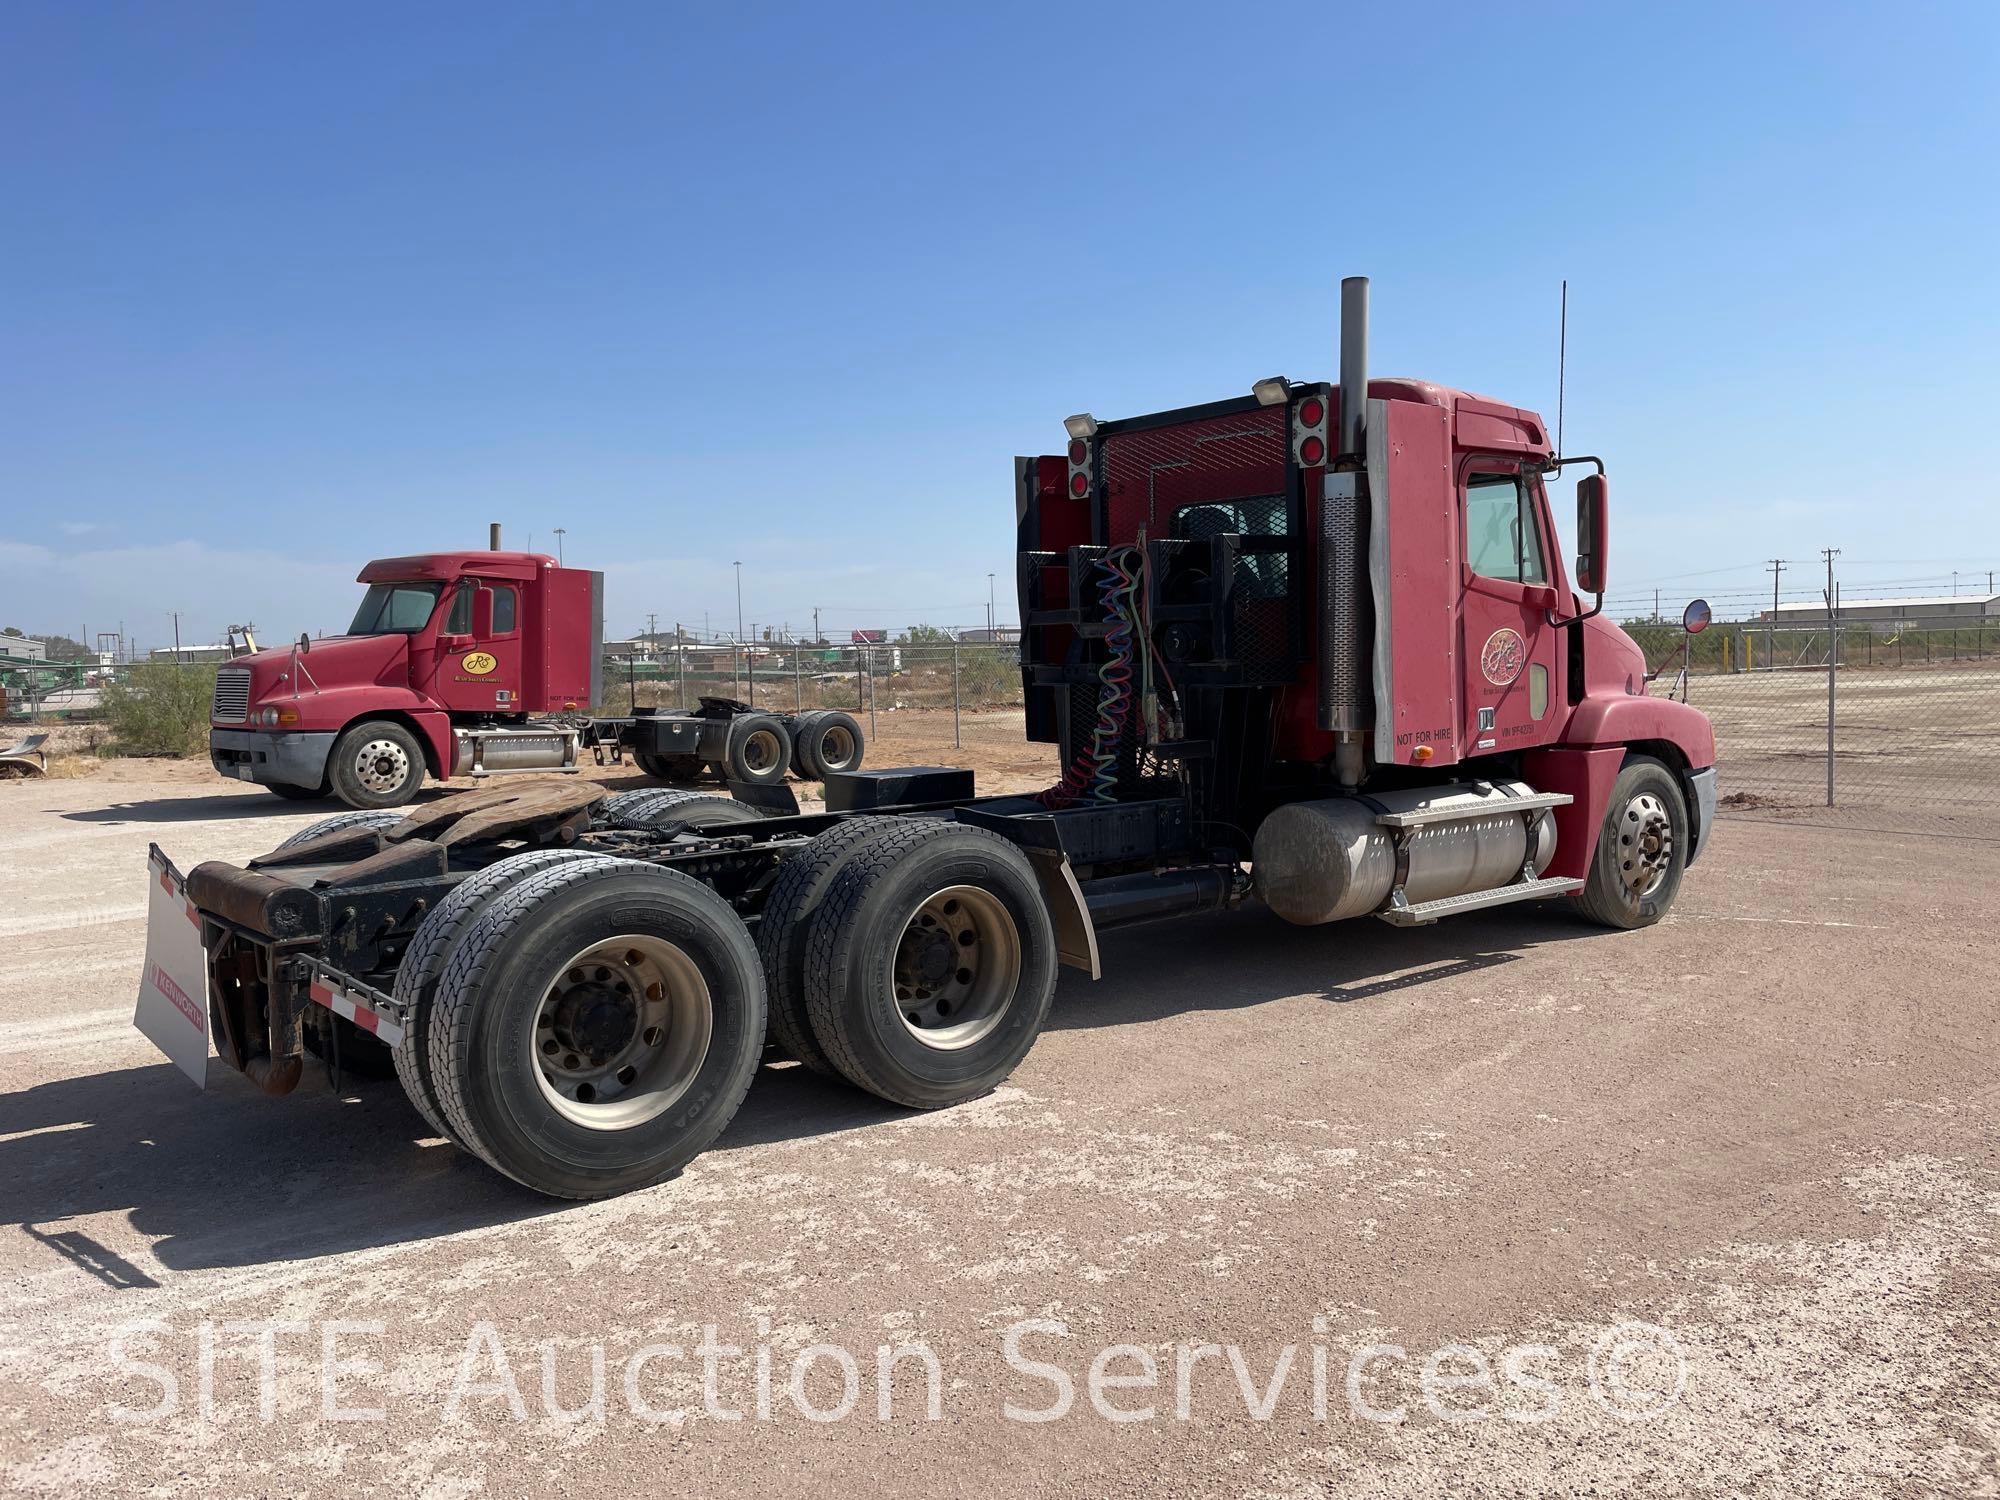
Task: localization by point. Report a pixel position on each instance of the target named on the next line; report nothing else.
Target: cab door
(1511, 653)
(479, 649)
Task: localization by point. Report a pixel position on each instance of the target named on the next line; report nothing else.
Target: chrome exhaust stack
(1353, 363)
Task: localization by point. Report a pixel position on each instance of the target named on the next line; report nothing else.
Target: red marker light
(1079, 450)
(1311, 451)
(1079, 485)
(1311, 412)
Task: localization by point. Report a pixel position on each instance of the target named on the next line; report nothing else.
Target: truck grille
(232, 696)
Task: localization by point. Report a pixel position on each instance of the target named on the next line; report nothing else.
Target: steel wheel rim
(1645, 845)
(836, 747)
(760, 749)
(957, 968)
(382, 766)
(621, 1033)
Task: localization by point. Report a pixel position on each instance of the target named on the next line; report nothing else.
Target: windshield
(394, 608)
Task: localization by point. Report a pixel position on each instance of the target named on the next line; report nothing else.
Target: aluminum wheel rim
(957, 968)
(836, 747)
(621, 1033)
(760, 749)
(1645, 845)
(382, 766)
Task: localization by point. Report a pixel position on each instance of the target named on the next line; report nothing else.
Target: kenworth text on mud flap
(452, 667)
(1300, 643)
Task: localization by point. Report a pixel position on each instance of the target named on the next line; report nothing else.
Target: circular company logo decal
(479, 663)
(1504, 655)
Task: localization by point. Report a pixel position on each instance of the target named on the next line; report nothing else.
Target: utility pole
(817, 637)
(1777, 566)
(739, 601)
(1656, 606)
(989, 606)
(1832, 659)
(177, 639)
(653, 633)
(559, 554)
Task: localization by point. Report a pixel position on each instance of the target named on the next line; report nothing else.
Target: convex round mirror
(1695, 618)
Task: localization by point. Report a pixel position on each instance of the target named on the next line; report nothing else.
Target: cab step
(1426, 912)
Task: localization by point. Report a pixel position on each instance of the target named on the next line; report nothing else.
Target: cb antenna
(1562, 363)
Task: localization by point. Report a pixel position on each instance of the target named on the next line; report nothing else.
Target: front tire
(931, 965)
(377, 763)
(1641, 854)
(597, 1027)
(295, 793)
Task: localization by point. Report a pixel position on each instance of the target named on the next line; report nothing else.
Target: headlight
(268, 717)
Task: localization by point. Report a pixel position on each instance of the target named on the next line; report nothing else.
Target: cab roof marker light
(1082, 425)
(1274, 390)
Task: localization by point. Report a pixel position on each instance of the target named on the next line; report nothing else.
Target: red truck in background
(451, 666)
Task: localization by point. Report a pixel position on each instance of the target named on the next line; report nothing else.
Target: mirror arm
(1595, 609)
(1556, 466)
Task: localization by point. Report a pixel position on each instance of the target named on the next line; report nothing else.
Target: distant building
(22, 648)
(191, 655)
(1917, 612)
(999, 635)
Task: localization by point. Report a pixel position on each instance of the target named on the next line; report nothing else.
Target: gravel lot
(1764, 1127)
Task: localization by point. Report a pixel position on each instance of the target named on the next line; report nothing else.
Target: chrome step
(1464, 812)
(1425, 912)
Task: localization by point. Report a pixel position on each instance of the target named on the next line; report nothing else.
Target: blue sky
(290, 286)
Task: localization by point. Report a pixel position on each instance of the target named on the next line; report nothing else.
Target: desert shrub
(161, 708)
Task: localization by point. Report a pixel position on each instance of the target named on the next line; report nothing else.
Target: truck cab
(449, 657)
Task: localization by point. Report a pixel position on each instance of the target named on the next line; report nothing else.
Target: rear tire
(431, 950)
(827, 741)
(759, 751)
(1641, 854)
(931, 963)
(672, 811)
(342, 822)
(647, 964)
(802, 884)
(377, 763)
(671, 768)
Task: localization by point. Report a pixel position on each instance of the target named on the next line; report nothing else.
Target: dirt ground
(1707, 1209)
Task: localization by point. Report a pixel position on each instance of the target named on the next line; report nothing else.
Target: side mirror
(482, 613)
(305, 641)
(1695, 618)
(1593, 533)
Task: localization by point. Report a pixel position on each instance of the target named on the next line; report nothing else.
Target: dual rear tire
(585, 1025)
(928, 960)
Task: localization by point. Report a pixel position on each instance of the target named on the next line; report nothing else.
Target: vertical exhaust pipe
(1346, 697)
(493, 537)
(1353, 362)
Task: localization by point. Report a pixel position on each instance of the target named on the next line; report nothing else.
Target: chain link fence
(1894, 718)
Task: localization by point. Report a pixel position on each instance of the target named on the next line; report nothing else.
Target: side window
(1501, 540)
(459, 622)
(503, 609)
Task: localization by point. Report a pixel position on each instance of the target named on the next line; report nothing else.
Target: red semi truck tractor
(452, 667)
(1313, 644)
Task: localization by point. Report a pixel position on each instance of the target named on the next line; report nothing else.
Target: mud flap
(172, 1012)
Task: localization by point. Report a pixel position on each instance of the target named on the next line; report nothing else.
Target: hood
(335, 661)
